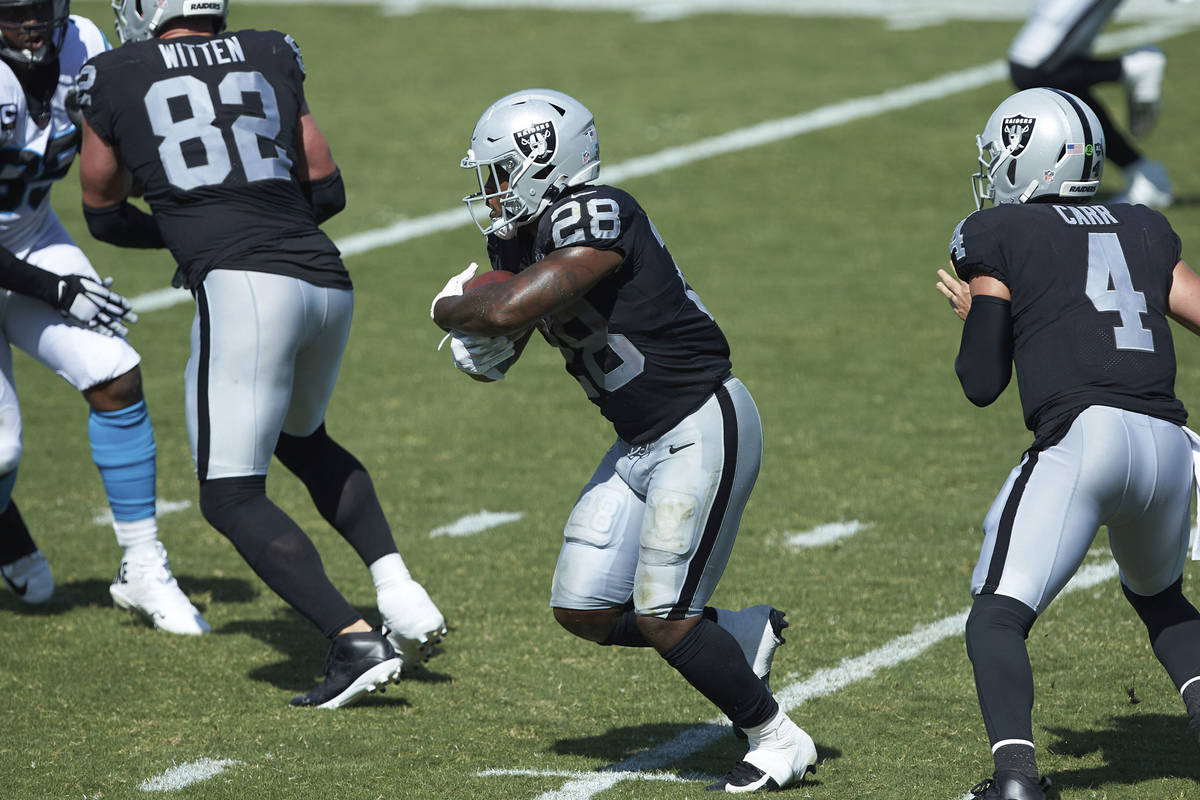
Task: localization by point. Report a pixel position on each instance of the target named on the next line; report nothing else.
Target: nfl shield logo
(1015, 134)
(538, 142)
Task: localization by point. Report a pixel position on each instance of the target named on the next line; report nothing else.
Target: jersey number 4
(1107, 267)
(187, 168)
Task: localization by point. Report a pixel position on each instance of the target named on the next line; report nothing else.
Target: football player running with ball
(58, 311)
(653, 529)
(215, 127)
(1077, 295)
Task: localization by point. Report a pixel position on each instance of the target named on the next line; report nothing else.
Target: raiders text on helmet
(1039, 143)
(541, 141)
(142, 19)
(32, 31)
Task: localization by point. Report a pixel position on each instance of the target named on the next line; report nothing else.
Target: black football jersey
(1089, 287)
(209, 127)
(641, 343)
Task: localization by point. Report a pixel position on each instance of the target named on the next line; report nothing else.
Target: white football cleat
(147, 586)
(411, 621)
(1146, 182)
(1142, 73)
(29, 577)
(781, 754)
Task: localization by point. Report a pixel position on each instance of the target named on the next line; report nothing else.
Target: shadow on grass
(699, 752)
(304, 651)
(1136, 748)
(93, 592)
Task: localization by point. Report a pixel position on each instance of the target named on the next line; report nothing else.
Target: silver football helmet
(538, 140)
(1038, 143)
(33, 31)
(138, 20)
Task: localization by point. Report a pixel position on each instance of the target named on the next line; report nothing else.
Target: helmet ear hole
(544, 172)
(1012, 171)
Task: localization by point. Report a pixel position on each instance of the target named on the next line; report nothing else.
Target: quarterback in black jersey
(214, 126)
(1077, 295)
(652, 531)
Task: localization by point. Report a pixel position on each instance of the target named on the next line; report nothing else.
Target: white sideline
(742, 139)
(825, 534)
(476, 523)
(183, 775)
(819, 684)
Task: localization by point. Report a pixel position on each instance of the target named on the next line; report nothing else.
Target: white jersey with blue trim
(33, 156)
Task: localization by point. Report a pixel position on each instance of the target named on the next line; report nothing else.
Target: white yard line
(477, 523)
(825, 534)
(735, 141)
(821, 683)
(183, 775)
(898, 14)
(162, 508)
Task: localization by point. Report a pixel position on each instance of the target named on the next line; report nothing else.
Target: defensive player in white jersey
(1053, 49)
(42, 48)
(653, 529)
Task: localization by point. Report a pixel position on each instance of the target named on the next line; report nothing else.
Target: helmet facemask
(32, 32)
(505, 170)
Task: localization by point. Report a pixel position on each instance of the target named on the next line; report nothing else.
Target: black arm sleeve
(24, 278)
(327, 195)
(984, 363)
(123, 225)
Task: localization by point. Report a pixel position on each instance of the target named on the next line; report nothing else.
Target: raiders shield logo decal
(1016, 133)
(537, 142)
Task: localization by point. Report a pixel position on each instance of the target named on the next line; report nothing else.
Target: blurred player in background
(58, 311)
(1077, 295)
(214, 125)
(652, 531)
(1053, 49)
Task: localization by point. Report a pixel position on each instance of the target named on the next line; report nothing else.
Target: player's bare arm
(514, 306)
(1184, 300)
(102, 176)
(314, 157)
(318, 173)
(106, 185)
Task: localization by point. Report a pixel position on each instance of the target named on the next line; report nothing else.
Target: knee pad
(994, 616)
(669, 531)
(596, 517)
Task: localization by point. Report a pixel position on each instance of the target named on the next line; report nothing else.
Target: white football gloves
(480, 356)
(453, 287)
(92, 304)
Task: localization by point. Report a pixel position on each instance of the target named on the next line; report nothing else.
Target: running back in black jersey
(1089, 287)
(642, 345)
(209, 126)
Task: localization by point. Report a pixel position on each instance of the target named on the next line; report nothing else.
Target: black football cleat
(357, 664)
(1011, 786)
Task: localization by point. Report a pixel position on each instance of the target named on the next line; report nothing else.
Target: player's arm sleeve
(123, 225)
(327, 195)
(984, 362)
(24, 278)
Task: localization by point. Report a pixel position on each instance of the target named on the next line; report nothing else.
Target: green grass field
(816, 253)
